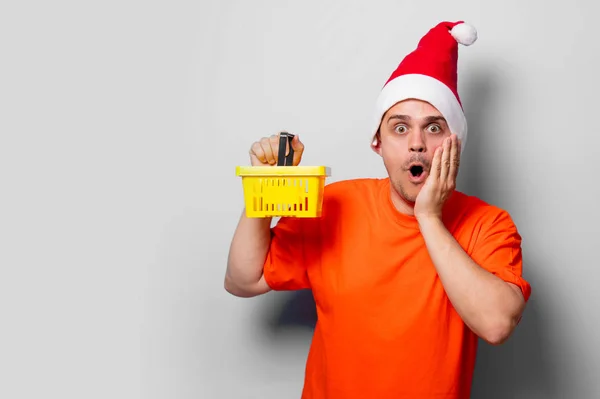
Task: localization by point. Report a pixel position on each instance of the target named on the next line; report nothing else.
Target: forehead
(414, 108)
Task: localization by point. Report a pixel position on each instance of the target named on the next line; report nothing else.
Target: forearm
(487, 304)
(247, 254)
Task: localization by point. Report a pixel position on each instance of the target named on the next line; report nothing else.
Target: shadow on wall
(517, 369)
(298, 309)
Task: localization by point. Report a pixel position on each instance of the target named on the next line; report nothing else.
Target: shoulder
(353, 190)
(349, 198)
(352, 186)
(480, 214)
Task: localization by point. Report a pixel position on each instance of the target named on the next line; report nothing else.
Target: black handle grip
(282, 159)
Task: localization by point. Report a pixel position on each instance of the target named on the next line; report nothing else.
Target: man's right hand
(265, 151)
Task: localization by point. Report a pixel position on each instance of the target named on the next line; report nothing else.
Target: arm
(253, 237)
(489, 306)
(247, 254)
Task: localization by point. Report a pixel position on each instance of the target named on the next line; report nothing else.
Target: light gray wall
(122, 123)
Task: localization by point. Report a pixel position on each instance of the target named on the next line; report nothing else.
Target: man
(406, 271)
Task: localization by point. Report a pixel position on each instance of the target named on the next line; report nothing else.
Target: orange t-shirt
(386, 328)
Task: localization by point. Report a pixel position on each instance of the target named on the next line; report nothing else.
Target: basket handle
(282, 160)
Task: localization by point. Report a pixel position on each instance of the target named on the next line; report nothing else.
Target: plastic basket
(283, 190)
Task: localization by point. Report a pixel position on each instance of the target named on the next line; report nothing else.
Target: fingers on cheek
(438, 158)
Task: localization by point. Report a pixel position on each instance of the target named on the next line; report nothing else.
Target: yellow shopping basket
(283, 190)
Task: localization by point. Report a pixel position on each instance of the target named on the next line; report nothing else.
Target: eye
(434, 129)
(400, 129)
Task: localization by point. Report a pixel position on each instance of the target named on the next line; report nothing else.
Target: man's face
(409, 133)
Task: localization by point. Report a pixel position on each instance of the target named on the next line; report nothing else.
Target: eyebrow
(427, 119)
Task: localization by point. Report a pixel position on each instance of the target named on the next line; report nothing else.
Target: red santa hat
(429, 74)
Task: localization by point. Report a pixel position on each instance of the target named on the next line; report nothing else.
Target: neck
(401, 204)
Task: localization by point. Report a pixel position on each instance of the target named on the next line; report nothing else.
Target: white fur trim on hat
(425, 88)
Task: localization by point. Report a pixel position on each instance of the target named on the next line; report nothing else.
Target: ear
(376, 143)
(376, 146)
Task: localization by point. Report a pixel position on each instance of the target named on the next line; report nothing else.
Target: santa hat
(429, 74)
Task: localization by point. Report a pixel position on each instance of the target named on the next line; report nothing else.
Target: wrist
(428, 219)
(430, 225)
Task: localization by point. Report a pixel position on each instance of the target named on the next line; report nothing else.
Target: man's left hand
(441, 181)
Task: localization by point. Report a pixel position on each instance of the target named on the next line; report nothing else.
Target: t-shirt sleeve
(499, 251)
(293, 249)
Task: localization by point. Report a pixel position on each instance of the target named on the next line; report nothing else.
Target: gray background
(122, 123)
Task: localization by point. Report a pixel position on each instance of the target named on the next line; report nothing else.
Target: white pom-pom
(464, 34)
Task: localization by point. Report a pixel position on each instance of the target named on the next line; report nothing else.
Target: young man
(406, 271)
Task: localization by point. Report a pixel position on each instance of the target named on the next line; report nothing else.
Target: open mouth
(416, 170)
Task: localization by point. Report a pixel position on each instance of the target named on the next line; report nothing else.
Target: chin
(406, 192)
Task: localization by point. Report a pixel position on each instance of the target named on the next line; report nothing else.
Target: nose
(416, 143)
